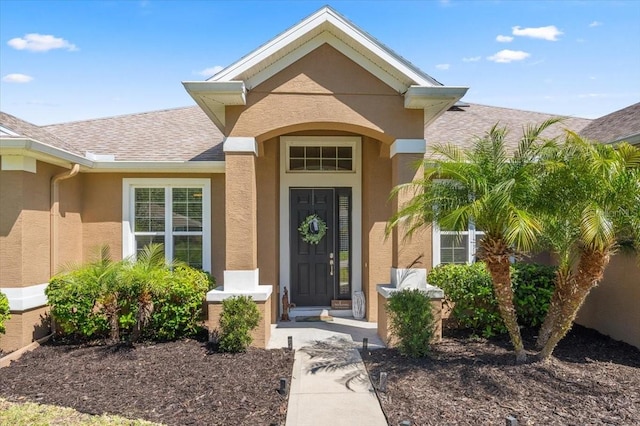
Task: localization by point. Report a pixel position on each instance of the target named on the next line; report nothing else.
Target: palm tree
(594, 194)
(486, 185)
(146, 276)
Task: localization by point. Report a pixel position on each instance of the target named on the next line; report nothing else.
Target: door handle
(331, 264)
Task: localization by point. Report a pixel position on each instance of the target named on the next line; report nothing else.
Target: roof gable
(325, 26)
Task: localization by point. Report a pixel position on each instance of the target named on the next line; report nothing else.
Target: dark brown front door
(312, 265)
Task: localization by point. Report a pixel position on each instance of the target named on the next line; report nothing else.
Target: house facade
(323, 120)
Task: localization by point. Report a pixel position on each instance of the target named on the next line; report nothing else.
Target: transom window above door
(320, 156)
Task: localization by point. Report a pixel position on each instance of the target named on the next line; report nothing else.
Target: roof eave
(434, 100)
(214, 96)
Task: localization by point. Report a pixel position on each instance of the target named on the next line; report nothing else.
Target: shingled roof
(460, 126)
(21, 129)
(618, 126)
(181, 134)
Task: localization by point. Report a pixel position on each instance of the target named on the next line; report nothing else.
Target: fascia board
(60, 157)
(159, 166)
(41, 151)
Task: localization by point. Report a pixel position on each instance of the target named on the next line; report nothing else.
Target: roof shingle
(614, 127)
(181, 134)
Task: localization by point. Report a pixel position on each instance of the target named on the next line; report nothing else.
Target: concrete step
(312, 311)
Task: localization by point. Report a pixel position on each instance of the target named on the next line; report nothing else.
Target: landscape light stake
(511, 421)
(383, 382)
(290, 342)
(365, 343)
(283, 386)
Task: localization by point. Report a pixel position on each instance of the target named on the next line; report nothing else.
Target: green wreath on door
(312, 229)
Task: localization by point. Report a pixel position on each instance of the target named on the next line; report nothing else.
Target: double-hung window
(173, 212)
(455, 247)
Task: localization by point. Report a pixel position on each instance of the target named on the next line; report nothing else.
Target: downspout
(54, 213)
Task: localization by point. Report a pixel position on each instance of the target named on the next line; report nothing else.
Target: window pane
(345, 152)
(313, 152)
(454, 248)
(149, 210)
(296, 164)
(187, 209)
(313, 164)
(145, 240)
(188, 248)
(329, 152)
(345, 165)
(344, 287)
(296, 151)
(328, 164)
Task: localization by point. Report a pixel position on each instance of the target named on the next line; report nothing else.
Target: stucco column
(409, 255)
(241, 275)
(241, 269)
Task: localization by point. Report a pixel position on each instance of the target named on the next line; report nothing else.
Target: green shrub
(411, 321)
(178, 304)
(129, 299)
(470, 289)
(533, 284)
(4, 312)
(73, 301)
(239, 316)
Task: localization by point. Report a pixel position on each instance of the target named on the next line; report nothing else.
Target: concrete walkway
(329, 385)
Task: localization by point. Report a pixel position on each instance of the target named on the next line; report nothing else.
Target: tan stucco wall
(25, 224)
(25, 327)
(102, 214)
(268, 200)
(416, 250)
(332, 92)
(612, 307)
(376, 210)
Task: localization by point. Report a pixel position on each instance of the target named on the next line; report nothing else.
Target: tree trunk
(555, 306)
(500, 274)
(590, 271)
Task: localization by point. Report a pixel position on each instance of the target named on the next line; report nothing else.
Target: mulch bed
(176, 383)
(591, 380)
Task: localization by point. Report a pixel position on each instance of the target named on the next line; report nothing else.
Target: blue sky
(75, 60)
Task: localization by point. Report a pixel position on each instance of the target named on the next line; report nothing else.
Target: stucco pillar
(409, 255)
(241, 275)
(241, 269)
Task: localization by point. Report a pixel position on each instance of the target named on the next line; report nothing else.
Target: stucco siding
(267, 172)
(326, 88)
(376, 210)
(25, 224)
(612, 307)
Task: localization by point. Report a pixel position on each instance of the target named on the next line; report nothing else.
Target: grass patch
(31, 414)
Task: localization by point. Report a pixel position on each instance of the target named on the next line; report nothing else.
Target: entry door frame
(351, 180)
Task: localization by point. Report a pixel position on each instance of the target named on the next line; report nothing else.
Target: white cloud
(40, 43)
(595, 24)
(472, 59)
(443, 66)
(17, 78)
(208, 72)
(550, 32)
(504, 39)
(506, 56)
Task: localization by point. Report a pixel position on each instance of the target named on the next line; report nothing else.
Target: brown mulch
(591, 380)
(176, 383)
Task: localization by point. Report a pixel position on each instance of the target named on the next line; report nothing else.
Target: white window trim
(128, 203)
(338, 141)
(471, 242)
